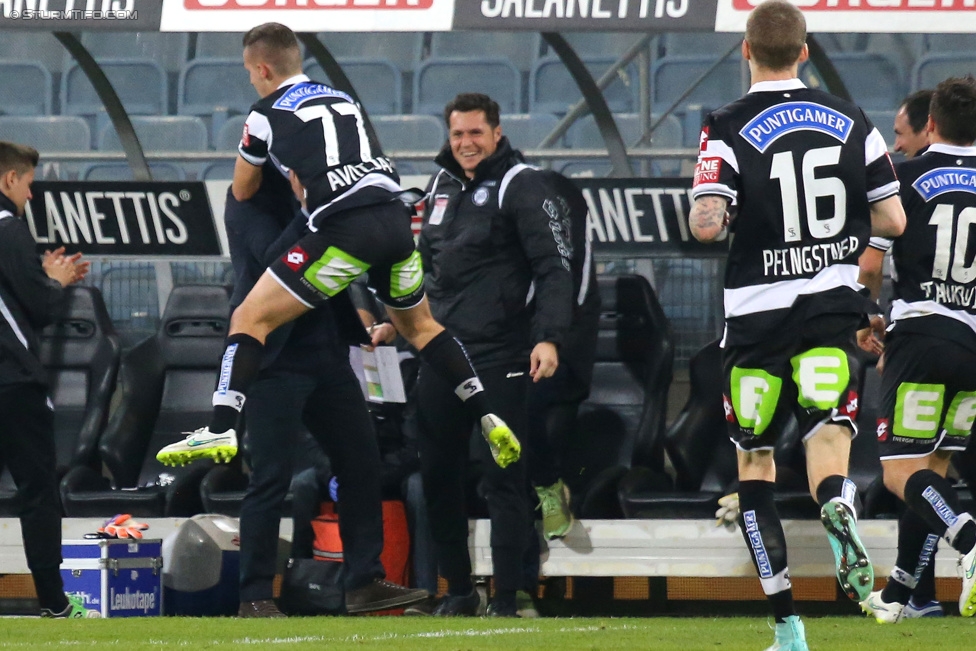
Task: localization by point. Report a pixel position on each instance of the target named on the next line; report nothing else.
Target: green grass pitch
(720, 634)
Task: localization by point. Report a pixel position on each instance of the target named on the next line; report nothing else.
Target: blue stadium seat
(411, 133)
(951, 43)
(47, 133)
(553, 90)
(219, 45)
(699, 44)
(27, 88)
(438, 81)
(220, 171)
(588, 45)
(671, 76)
(140, 84)
(527, 130)
(122, 172)
(884, 122)
(584, 134)
(404, 49)
(520, 48)
(160, 133)
(377, 82)
(873, 80)
(42, 46)
(933, 68)
(168, 49)
(229, 135)
(215, 88)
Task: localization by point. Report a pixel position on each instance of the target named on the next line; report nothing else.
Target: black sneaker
(453, 606)
(502, 608)
(423, 608)
(260, 609)
(381, 595)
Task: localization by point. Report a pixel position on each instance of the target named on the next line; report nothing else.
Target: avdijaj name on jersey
(945, 179)
(777, 121)
(346, 175)
(806, 260)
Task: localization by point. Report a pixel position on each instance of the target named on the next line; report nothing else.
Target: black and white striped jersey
(318, 131)
(800, 168)
(934, 261)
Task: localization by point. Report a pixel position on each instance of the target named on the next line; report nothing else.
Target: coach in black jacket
(497, 263)
(31, 293)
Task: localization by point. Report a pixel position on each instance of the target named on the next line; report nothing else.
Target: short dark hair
(916, 108)
(776, 32)
(953, 109)
(19, 158)
(279, 46)
(465, 102)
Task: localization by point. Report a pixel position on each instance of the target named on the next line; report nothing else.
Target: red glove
(123, 526)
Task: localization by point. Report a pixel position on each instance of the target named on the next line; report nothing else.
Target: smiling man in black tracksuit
(496, 252)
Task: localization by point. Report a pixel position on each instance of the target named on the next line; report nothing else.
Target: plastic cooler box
(120, 578)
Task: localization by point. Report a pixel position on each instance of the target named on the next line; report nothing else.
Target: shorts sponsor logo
(707, 170)
(851, 407)
(821, 375)
(883, 429)
(758, 547)
(729, 411)
(918, 410)
(755, 394)
(295, 258)
(961, 416)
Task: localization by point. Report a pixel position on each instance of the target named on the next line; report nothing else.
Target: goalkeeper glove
(123, 526)
(728, 512)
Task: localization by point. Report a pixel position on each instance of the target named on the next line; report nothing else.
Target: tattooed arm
(708, 217)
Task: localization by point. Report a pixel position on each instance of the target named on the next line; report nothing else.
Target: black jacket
(497, 257)
(29, 300)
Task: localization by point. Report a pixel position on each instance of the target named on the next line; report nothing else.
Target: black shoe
(260, 608)
(502, 608)
(453, 606)
(423, 608)
(381, 595)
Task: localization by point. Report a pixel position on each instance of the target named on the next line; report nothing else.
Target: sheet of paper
(381, 368)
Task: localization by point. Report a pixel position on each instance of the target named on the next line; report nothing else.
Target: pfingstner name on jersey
(805, 260)
(949, 294)
(777, 121)
(945, 179)
(341, 177)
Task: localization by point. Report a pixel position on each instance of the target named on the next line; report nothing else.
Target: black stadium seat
(166, 385)
(622, 421)
(80, 351)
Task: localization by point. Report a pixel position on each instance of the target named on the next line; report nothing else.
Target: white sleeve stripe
(880, 243)
(874, 147)
(259, 127)
(253, 160)
(885, 191)
(718, 148)
(704, 189)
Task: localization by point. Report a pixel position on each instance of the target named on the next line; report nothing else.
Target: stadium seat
(229, 135)
(80, 351)
(672, 76)
(166, 384)
(404, 49)
(140, 84)
(122, 172)
(411, 133)
(47, 134)
(377, 82)
(884, 122)
(219, 45)
(584, 134)
(598, 44)
(129, 290)
(160, 134)
(32, 82)
(219, 171)
(699, 44)
(553, 90)
(874, 81)
(527, 130)
(438, 81)
(520, 48)
(622, 422)
(698, 447)
(215, 89)
(44, 49)
(168, 49)
(953, 43)
(933, 68)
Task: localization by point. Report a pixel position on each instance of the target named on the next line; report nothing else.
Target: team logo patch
(246, 137)
(851, 407)
(883, 429)
(480, 196)
(295, 258)
(777, 121)
(707, 170)
(945, 179)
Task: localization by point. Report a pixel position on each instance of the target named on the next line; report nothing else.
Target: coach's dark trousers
(445, 435)
(27, 450)
(331, 405)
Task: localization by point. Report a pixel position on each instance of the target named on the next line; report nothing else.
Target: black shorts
(928, 396)
(372, 240)
(809, 367)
